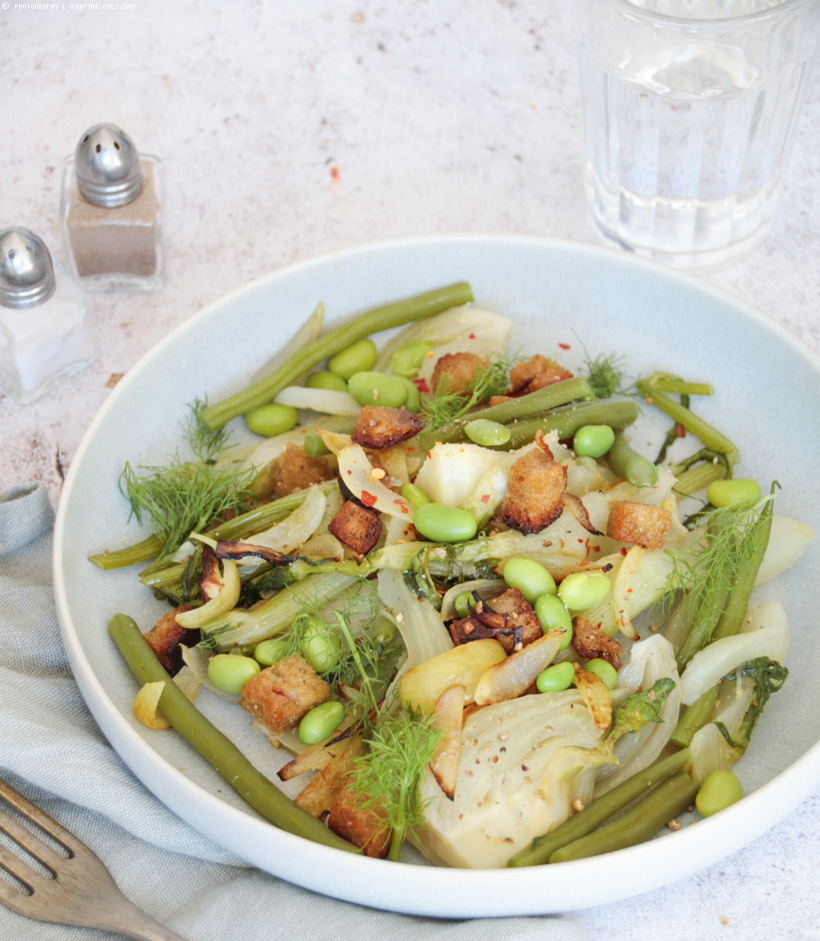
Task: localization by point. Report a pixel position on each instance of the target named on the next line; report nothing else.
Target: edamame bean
(555, 678)
(582, 590)
(229, 672)
(462, 603)
(414, 495)
(604, 670)
(376, 388)
(721, 493)
(407, 359)
(324, 379)
(320, 645)
(357, 357)
(314, 445)
(320, 722)
(593, 440)
(488, 434)
(271, 419)
(413, 401)
(441, 523)
(719, 790)
(552, 615)
(269, 651)
(529, 577)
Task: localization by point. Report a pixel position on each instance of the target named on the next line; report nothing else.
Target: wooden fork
(78, 889)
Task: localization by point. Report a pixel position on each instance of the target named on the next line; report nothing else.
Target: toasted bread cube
(535, 492)
(365, 827)
(535, 373)
(519, 614)
(640, 524)
(590, 642)
(293, 470)
(280, 695)
(455, 372)
(380, 427)
(166, 636)
(357, 527)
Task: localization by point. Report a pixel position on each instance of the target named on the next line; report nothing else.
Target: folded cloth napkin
(52, 752)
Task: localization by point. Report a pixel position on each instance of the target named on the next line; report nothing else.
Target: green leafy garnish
(640, 708)
(604, 374)
(442, 406)
(768, 677)
(206, 444)
(387, 776)
(184, 497)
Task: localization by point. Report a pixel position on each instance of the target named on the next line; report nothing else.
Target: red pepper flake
(472, 336)
(368, 499)
(565, 346)
(485, 498)
(624, 550)
(335, 175)
(583, 562)
(680, 431)
(421, 385)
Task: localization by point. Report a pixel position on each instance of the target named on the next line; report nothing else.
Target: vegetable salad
(445, 579)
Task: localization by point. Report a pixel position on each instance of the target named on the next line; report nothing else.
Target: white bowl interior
(767, 399)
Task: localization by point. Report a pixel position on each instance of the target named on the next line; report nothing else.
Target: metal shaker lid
(107, 166)
(26, 270)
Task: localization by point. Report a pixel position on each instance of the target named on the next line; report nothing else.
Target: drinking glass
(690, 110)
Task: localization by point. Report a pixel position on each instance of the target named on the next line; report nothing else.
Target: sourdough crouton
(638, 523)
(293, 470)
(519, 614)
(166, 636)
(280, 695)
(380, 427)
(535, 373)
(357, 527)
(535, 492)
(365, 827)
(455, 373)
(590, 642)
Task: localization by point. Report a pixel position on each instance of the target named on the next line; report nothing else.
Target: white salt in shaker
(43, 318)
(110, 213)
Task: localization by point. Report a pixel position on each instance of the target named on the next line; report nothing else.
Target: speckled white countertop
(291, 128)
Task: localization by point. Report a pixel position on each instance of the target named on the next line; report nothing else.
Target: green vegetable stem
(215, 747)
(629, 465)
(334, 341)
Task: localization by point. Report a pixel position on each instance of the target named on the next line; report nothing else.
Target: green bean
(357, 357)
(701, 429)
(325, 379)
(271, 419)
(720, 790)
(488, 434)
(314, 445)
(529, 577)
(414, 495)
(639, 823)
(420, 307)
(229, 672)
(377, 388)
(600, 810)
(523, 407)
(629, 465)
(215, 747)
(679, 386)
(441, 523)
(618, 412)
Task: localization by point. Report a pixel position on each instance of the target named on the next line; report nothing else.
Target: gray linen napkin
(52, 751)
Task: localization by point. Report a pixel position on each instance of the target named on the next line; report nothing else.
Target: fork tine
(31, 842)
(35, 815)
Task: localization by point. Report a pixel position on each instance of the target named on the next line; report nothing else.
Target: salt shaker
(110, 213)
(43, 318)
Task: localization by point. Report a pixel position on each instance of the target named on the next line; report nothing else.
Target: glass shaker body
(118, 247)
(42, 345)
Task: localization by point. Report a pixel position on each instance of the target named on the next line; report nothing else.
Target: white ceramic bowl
(767, 399)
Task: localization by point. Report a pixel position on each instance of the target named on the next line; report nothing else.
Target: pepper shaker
(110, 213)
(43, 318)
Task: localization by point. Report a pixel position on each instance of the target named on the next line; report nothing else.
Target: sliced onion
(622, 589)
(356, 471)
(327, 401)
(290, 533)
(510, 677)
(788, 538)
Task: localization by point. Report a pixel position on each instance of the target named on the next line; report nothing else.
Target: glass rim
(664, 19)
